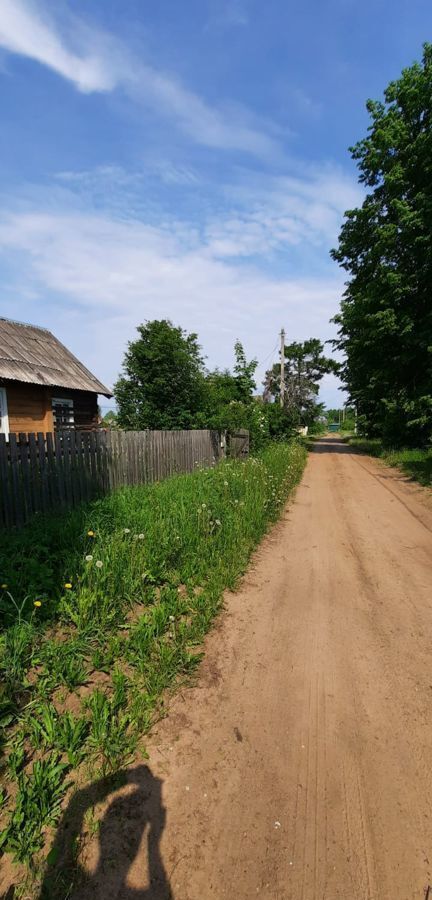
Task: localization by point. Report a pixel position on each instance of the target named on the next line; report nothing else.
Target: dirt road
(300, 766)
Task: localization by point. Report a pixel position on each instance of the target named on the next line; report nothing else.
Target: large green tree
(385, 321)
(163, 383)
(305, 366)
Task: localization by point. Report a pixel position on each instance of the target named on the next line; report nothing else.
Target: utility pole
(282, 367)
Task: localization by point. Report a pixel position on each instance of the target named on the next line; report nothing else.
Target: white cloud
(284, 211)
(94, 61)
(228, 271)
(26, 31)
(93, 279)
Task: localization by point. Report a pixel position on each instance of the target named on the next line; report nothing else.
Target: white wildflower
(126, 530)
(141, 537)
(99, 563)
(172, 618)
(218, 522)
(88, 557)
(203, 505)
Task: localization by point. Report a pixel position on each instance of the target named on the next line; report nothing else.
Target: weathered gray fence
(39, 473)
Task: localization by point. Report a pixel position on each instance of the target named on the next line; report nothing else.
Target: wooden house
(43, 386)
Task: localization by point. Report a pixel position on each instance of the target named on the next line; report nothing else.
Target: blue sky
(186, 160)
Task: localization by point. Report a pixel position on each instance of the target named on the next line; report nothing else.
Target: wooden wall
(29, 407)
(85, 407)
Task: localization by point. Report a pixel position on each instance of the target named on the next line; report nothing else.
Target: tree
(385, 320)
(305, 366)
(162, 385)
(109, 420)
(229, 402)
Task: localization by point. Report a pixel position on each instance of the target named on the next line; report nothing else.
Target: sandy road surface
(300, 766)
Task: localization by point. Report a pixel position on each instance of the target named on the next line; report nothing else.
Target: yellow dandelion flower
(68, 585)
(4, 586)
(37, 603)
(90, 534)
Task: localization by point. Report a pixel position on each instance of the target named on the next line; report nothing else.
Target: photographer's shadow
(121, 831)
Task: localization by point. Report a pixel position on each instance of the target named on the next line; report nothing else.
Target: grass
(416, 463)
(103, 609)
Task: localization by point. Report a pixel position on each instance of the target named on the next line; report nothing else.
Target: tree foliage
(305, 366)
(163, 383)
(385, 320)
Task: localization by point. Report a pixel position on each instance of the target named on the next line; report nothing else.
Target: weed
(109, 732)
(16, 758)
(37, 804)
(62, 662)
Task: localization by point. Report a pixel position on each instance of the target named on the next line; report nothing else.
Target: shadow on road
(331, 445)
(138, 809)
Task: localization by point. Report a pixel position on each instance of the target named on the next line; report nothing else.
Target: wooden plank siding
(30, 407)
(44, 472)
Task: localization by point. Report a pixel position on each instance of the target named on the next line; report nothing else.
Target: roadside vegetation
(385, 248)
(165, 384)
(416, 463)
(103, 610)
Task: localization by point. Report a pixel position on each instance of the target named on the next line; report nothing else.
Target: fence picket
(7, 517)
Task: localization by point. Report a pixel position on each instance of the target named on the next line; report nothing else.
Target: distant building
(43, 386)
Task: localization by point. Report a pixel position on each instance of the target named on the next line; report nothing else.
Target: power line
(269, 354)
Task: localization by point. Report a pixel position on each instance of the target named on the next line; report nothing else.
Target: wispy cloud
(96, 62)
(100, 274)
(27, 31)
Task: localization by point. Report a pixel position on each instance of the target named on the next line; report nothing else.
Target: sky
(186, 161)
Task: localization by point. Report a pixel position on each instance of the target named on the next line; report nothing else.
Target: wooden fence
(39, 473)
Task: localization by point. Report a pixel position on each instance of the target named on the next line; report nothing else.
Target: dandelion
(99, 563)
(90, 534)
(126, 530)
(37, 603)
(141, 537)
(203, 505)
(172, 618)
(4, 587)
(88, 557)
(218, 522)
(68, 586)
(226, 483)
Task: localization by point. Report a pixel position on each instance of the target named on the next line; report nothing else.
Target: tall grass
(107, 605)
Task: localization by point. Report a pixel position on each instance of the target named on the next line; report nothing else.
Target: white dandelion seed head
(88, 557)
(99, 563)
(126, 530)
(172, 619)
(141, 537)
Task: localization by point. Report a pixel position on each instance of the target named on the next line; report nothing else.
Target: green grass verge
(103, 608)
(416, 463)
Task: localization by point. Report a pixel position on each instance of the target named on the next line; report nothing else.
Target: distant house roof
(32, 354)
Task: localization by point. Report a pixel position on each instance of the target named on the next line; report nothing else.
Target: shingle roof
(32, 354)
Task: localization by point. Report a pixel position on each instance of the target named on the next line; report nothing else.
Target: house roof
(32, 354)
